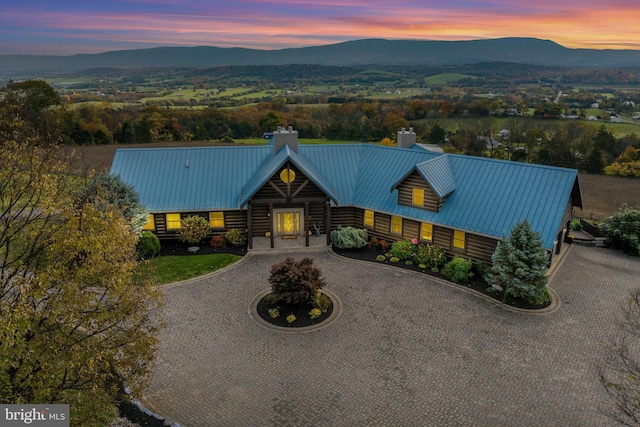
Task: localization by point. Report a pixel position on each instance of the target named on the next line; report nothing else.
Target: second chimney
(406, 139)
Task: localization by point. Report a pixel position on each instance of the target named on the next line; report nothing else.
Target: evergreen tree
(520, 265)
(594, 162)
(110, 190)
(606, 142)
(437, 134)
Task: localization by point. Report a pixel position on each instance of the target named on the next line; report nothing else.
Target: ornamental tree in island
(296, 282)
(520, 265)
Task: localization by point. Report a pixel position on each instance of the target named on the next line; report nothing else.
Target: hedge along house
(461, 203)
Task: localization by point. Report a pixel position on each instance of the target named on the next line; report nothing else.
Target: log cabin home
(461, 203)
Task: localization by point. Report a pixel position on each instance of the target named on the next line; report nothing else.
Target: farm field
(601, 195)
(453, 124)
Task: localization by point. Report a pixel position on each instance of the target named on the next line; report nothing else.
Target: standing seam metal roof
(490, 196)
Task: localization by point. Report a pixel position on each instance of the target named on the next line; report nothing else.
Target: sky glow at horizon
(66, 27)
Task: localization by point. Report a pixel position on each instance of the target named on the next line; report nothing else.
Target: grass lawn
(169, 269)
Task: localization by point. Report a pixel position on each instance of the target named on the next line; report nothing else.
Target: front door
(287, 222)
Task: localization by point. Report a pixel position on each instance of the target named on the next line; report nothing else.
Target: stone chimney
(282, 137)
(406, 139)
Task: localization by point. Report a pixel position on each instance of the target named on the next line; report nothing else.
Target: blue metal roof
(271, 166)
(490, 196)
(436, 172)
(213, 179)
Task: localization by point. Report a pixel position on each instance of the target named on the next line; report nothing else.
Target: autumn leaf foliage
(77, 311)
(295, 282)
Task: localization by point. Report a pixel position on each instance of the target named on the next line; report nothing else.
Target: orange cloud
(294, 23)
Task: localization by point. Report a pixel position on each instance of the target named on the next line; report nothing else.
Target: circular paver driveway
(406, 351)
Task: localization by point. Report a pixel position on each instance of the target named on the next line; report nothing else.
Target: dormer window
(418, 197)
(426, 185)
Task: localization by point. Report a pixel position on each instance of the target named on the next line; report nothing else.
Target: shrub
(422, 266)
(321, 301)
(349, 237)
(403, 250)
(575, 224)
(236, 237)
(430, 255)
(271, 299)
(483, 270)
(295, 282)
(623, 230)
(541, 298)
(291, 318)
(408, 262)
(394, 259)
(314, 313)
(374, 243)
(274, 313)
(148, 245)
(194, 229)
(218, 241)
(458, 269)
(381, 258)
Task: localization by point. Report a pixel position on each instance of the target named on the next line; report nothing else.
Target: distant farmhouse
(461, 203)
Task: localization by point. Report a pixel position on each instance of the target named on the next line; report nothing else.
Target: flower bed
(302, 313)
(476, 283)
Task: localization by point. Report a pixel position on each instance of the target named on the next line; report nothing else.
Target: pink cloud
(294, 23)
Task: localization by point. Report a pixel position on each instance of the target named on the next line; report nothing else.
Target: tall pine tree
(520, 265)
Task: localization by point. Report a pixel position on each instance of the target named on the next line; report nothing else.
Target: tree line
(572, 143)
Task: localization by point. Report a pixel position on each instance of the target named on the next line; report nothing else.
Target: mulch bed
(476, 283)
(300, 311)
(176, 247)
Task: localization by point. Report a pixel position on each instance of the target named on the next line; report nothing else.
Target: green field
(444, 78)
(183, 95)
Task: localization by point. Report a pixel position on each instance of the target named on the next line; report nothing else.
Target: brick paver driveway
(406, 351)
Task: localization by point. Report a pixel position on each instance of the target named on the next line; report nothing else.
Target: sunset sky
(65, 27)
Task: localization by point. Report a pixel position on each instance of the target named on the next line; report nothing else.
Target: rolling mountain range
(352, 53)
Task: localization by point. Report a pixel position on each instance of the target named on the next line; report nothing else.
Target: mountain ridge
(363, 52)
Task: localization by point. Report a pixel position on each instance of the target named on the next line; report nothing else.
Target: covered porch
(263, 244)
